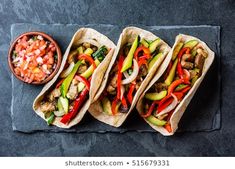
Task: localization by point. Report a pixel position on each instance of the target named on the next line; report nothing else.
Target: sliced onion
(126, 74)
(133, 75)
(186, 72)
(122, 91)
(170, 107)
(59, 113)
(91, 41)
(67, 71)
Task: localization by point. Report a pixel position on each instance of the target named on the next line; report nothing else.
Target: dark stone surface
(203, 113)
(175, 12)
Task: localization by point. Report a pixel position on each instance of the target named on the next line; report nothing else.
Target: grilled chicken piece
(113, 84)
(54, 94)
(199, 62)
(82, 68)
(143, 71)
(185, 63)
(202, 52)
(94, 48)
(160, 87)
(86, 45)
(47, 107)
(72, 56)
(193, 74)
(73, 90)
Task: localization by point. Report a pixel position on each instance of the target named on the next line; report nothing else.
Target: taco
(138, 55)
(164, 101)
(66, 98)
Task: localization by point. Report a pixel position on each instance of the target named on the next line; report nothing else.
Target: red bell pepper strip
(83, 80)
(142, 61)
(150, 110)
(168, 127)
(173, 85)
(179, 67)
(185, 89)
(114, 105)
(182, 51)
(186, 74)
(131, 90)
(119, 77)
(77, 105)
(179, 95)
(59, 83)
(124, 102)
(166, 101)
(180, 70)
(146, 57)
(164, 104)
(145, 50)
(87, 58)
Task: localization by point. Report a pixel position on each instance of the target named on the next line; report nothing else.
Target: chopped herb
(56, 56)
(34, 38)
(51, 118)
(14, 55)
(100, 53)
(130, 71)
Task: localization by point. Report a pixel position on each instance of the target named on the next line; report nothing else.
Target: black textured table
(207, 143)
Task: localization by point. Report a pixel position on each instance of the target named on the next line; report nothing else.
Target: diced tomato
(29, 50)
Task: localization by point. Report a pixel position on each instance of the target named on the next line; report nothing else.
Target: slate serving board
(202, 114)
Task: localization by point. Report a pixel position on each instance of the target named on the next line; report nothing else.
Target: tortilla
(179, 110)
(127, 36)
(82, 35)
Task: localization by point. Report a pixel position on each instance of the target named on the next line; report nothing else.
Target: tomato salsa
(34, 58)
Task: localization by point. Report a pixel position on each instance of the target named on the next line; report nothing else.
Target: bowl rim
(49, 38)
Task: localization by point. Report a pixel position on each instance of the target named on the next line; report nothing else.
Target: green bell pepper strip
(171, 74)
(144, 43)
(156, 96)
(190, 44)
(155, 121)
(128, 60)
(88, 51)
(153, 61)
(181, 87)
(63, 104)
(154, 44)
(51, 119)
(67, 81)
(177, 50)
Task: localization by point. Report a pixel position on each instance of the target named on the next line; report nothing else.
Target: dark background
(176, 12)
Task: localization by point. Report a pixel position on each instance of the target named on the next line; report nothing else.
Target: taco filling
(71, 89)
(184, 69)
(134, 62)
